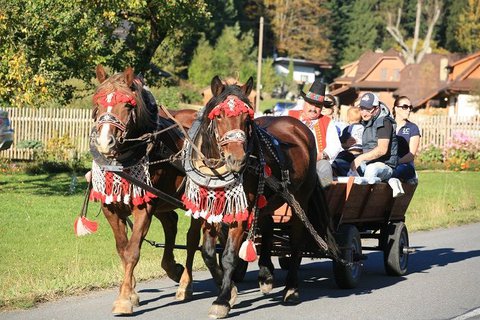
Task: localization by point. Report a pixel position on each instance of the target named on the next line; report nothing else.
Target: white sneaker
(396, 186)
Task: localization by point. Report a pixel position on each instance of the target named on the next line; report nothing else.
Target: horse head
(120, 111)
(230, 114)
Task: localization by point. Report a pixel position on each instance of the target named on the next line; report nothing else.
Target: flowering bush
(461, 152)
(430, 157)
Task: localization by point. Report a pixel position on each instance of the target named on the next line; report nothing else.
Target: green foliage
(430, 157)
(45, 42)
(468, 31)
(171, 97)
(270, 79)
(30, 144)
(462, 153)
(59, 155)
(362, 25)
(232, 56)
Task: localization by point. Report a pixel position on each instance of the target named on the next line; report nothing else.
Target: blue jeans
(404, 171)
(376, 169)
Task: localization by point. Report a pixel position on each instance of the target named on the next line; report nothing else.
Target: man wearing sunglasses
(379, 140)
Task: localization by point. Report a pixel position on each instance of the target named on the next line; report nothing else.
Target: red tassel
(82, 226)
(261, 202)
(267, 171)
(248, 252)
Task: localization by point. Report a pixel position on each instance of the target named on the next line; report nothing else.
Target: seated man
(379, 141)
(326, 137)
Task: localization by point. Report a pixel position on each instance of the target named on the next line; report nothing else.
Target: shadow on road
(316, 281)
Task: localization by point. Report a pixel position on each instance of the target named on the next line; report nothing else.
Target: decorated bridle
(109, 101)
(233, 107)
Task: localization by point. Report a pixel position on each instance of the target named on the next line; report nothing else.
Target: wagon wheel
(348, 239)
(395, 253)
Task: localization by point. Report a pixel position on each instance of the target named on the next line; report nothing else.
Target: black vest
(370, 139)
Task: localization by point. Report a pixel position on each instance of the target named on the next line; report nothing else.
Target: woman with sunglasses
(408, 137)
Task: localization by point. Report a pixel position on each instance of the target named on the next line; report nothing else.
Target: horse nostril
(111, 141)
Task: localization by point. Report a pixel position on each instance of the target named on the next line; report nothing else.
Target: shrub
(59, 155)
(462, 153)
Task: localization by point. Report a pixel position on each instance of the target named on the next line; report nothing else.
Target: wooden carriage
(361, 214)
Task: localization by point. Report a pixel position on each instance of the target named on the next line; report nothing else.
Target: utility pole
(259, 65)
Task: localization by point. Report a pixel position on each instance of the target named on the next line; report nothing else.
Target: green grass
(40, 256)
(444, 199)
(41, 259)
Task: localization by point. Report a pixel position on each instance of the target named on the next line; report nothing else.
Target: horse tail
(321, 219)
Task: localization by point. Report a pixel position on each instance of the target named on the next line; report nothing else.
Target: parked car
(281, 108)
(6, 131)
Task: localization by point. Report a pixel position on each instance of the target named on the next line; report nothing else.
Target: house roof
(421, 82)
(365, 65)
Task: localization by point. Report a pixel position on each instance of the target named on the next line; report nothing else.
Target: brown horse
(124, 113)
(229, 134)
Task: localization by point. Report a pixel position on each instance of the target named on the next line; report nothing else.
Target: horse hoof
(291, 296)
(218, 311)
(233, 296)
(121, 307)
(184, 293)
(135, 299)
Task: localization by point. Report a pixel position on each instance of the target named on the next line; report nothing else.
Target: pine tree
(468, 28)
(362, 25)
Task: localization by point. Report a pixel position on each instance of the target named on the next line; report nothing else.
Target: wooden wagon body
(358, 212)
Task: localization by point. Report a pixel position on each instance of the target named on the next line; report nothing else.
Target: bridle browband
(109, 101)
(232, 107)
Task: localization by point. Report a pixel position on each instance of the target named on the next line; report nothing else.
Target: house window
(383, 74)
(396, 75)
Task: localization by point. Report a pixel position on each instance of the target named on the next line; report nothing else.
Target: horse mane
(145, 118)
(209, 143)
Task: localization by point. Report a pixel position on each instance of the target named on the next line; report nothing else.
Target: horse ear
(129, 76)
(247, 87)
(217, 86)
(101, 74)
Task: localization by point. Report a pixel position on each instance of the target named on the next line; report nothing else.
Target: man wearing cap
(326, 137)
(379, 140)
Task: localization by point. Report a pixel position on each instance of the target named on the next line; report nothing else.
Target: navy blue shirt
(408, 130)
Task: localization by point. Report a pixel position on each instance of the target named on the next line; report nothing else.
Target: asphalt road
(443, 282)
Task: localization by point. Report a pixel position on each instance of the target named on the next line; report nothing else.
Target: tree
(233, 55)
(45, 42)
(362, 30)
(432, 10)
(468, 31)
(299, 28)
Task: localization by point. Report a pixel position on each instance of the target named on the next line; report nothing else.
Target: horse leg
(209, 253)
(228, 291)
(169, 222)
(185, 289)
(266, 268)
(131, 254)
(297, 237)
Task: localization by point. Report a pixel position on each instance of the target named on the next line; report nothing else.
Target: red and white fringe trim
(108, 187)
(227, 204)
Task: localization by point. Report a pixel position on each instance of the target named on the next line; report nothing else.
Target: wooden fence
(440, 129)
(44, 124)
